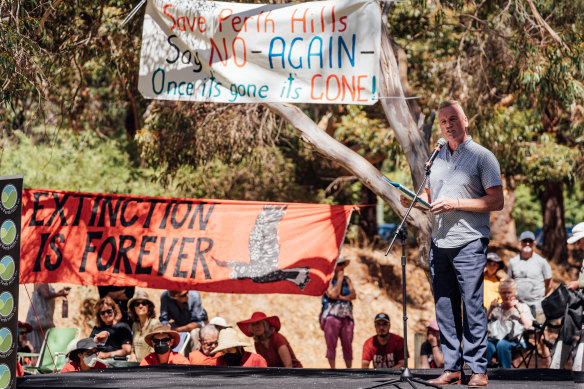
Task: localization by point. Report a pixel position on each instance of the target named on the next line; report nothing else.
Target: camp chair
(57, 340)
(184, 341)
(522, 356)
(554, 308)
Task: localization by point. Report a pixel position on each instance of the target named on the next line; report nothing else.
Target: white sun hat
(218, 321)
(577, 233)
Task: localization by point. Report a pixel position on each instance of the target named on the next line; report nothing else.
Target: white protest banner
(316, 52)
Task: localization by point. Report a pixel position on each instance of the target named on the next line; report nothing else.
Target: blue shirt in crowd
(192, 310)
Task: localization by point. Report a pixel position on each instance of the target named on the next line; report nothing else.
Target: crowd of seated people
(512, 304)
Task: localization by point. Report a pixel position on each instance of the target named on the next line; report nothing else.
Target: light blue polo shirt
(465, 173)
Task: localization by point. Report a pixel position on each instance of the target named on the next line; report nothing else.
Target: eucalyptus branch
(545, 25)
(337, 182)
(51, 8)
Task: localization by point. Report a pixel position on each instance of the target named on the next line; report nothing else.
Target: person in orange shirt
(163, 340)
(208, 339)
(84, 357)
(234, 354)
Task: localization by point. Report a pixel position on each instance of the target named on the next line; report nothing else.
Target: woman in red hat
(269, 343)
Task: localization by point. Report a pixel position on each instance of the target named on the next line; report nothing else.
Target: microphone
(441, 143)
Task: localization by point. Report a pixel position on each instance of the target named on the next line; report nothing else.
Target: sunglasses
(211, 344)
(161, 341)
(528, 241)
(106, 312)
(140, 303)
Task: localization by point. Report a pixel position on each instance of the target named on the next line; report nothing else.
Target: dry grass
(377, 280)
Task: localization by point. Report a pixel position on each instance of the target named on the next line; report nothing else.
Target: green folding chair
(57, 341)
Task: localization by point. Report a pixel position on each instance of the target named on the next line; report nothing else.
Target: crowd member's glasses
(89, 353)
(161, 341)
(106, 312)
(211, 344)
(527, 241)
(141, 303)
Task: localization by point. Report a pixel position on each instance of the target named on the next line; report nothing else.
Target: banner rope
(42, 332)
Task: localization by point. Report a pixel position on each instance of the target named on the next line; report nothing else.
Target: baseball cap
(493, 257)
(526, 235)
(382, 316)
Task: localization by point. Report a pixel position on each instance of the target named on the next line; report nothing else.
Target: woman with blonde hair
(269, 343)
(113, 337)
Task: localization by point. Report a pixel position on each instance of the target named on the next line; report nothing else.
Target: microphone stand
(402, 233)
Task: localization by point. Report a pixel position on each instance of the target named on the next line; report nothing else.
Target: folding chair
(57, 340)
(531, 337)
(184, 341)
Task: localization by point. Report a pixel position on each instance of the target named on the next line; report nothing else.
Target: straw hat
(218, 321)
(227, 339)
(274, 321)
(139, 295)
(162, 330)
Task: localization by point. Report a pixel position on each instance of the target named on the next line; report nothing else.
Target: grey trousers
(457, 282)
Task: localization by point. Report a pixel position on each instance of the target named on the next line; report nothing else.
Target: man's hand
(572, 285)
(406, 201)
(444, 205)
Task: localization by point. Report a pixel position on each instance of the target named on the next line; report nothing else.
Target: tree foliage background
(71, 116)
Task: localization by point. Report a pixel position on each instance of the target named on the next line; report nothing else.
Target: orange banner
(168, 243)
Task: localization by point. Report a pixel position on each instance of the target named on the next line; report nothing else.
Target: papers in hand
(408, 193)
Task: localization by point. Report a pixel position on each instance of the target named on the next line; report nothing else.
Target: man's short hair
(209, 328)
(451, 103)
(177, 293)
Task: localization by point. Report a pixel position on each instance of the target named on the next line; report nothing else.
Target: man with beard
(384, 349)
(163, 340)
(533, 275)
(233, 352)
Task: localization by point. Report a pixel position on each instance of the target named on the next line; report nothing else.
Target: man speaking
(463, 187)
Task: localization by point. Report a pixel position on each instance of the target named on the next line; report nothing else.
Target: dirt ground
(377, 280)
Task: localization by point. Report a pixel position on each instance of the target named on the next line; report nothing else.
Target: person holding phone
(112, 336)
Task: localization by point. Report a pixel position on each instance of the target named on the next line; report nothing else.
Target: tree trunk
(368, 215)
(555, 247)
(410, 135)
(502, 222)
